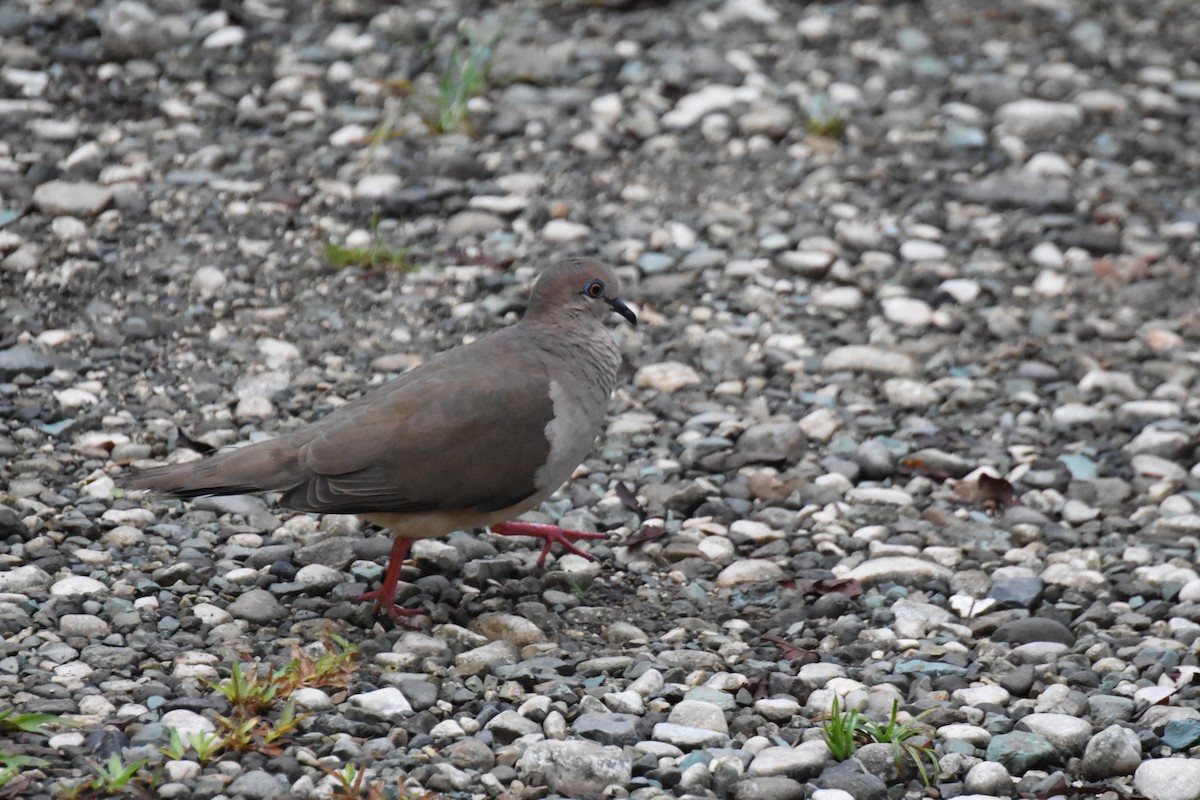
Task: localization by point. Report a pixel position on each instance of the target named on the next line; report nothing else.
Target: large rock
(574, 768)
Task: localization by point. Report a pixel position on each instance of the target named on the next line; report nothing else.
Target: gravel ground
(909, 418)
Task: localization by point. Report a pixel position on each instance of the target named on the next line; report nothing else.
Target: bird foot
(551, 533)
(383, 601)
(385, 596)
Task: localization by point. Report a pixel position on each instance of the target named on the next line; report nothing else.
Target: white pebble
(907, 311)
(186, 722)
(207, 280)
(821, 423)
(562, 230)
(749, 570)
(374, 187)
(922, 250)
(1050, 283)
(231, 36)
(75, 398)
(667, 376)
(75, 585)
(867, 358)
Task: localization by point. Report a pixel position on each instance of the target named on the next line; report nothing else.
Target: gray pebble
(469, 754)
(1114, 751)
(575, 768)
(615, 729)
(1168, 779)
(1034, 629)
(1039, 118)
(688, 738)
(257, 784)
(1020, 751)
(23, 578)
(388, 703)
(799, 763)
(509, 725)
(1068, 733)
(865, 358)
(768, 788)
(697, 714)
(71, 198)
(989, 778)
(318, 578)
(87, 625)
(23, 359)
(257, 606)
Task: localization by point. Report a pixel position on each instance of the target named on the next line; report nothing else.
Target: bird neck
(581, 345)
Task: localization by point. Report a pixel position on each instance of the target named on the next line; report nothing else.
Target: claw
(383, 602)
(551, 533)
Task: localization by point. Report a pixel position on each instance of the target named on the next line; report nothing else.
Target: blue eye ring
(593, 289)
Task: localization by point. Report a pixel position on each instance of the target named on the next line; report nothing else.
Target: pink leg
(551, 533)
(385, 595)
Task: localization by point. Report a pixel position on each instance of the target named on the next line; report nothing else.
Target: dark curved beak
(617, 305)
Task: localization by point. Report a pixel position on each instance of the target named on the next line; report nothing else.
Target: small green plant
(206, 745)
(349, 779)
(575, 587)
(256, 733)
(334, 667)
(203, 743)
(830, 127)
(350, 787)
(114, 775)
(903, 737)
(466, 73)
(28, 723)
(252, 692)
(824, 118)
(176, 749)
(840, 731)
(113, 778)
(249, 692)
(239, 733)
(284, 725)
(374, 257)
(11, 766)
(387, 127)
(844, 732)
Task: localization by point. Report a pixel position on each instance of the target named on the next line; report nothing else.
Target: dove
(472, 438)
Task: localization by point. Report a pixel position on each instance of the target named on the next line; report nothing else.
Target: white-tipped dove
(474, 437)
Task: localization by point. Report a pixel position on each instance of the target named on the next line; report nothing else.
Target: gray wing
(467, 430)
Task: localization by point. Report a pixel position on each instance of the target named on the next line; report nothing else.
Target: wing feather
(467, 431)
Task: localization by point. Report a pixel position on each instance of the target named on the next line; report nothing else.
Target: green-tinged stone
(1080, 466)
(914, 666)
(723, 700)
(1020, 751)
(1181, 734)
(694, 757)
(149, 734)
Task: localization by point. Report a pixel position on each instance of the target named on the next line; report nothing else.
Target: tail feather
(267, 466)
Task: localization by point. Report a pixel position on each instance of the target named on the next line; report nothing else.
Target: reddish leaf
(846, 586)
(627, 498)
(823, 586)
(647, 533)
(987, 490)
(282, 196)
(789, 651)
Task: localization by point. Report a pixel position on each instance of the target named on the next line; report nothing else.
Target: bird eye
(594, 288)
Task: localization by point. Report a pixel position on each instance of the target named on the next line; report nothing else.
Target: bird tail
(256, 468)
